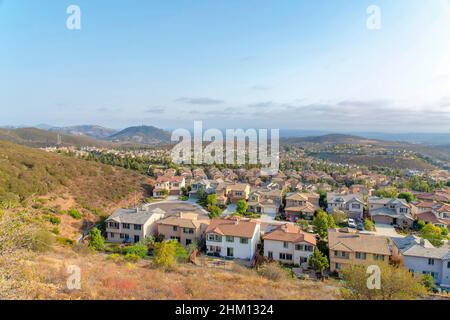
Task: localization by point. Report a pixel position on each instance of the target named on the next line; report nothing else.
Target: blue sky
(300, 64)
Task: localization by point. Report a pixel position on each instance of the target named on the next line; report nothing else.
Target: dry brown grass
(102, 278)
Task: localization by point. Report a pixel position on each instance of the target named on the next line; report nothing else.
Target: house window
(285, 244)
(230, 239)
(137, 227)
(270, 254)
(341, 254)
(448, 265)
(404, 210)
(361, 256)
(299, 247)
(188, 241)
(230, 252)
(136, 239)
(114, 225)
(435, 275)
(285, 256)
(175, 228)
(122, 236)
(356, 206)
(111, 235)
(244, 240)
(175, 238)
(214, 237)
(338, 266)
(431, 262)
(188, 230)
(378, 257)
(126, 225)
(303, 260)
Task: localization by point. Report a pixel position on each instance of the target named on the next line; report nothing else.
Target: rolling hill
(93, 131)
(38, 138)
(334, 139)
(141, 135)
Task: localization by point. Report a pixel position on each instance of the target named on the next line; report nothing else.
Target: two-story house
(132, 225)
(238, 191)
(233, 238)
(264, 201)
(349, 247)
(186, 227)
(168, 185)
(301, 205)
(289, 244)
(351, 204)
(421, 257)
(391, 211)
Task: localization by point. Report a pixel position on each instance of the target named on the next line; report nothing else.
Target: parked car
(360, 226)
(351, 223)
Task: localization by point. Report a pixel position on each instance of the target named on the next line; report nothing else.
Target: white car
(352, 223)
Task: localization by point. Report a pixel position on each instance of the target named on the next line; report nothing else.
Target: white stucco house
(233, 238)
(132, 225)
(420, 256)
(289, 244)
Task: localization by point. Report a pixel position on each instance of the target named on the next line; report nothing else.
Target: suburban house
(420, 256)
(289, 244)
(349, 247)
(132, 225)
(265, 201)
(201, 184)
(359, 190)
(233, 238)
(237, 191)
(186, 227)
(351, 204)
(168, 186)
(301, 205)
(391, 211)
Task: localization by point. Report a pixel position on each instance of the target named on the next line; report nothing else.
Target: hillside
(34, 137)
(141, 135)
(93, 131)
(49, 183)
(333, 139)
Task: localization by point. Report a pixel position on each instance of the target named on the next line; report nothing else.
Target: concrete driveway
(386, 230)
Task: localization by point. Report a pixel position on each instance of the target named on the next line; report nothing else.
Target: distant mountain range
(92, 131)
(332, 139)
(141, 135)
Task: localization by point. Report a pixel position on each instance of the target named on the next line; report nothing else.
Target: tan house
(170, 185)
(184, 227)
(349, 247)
(238, 191)
(289, 244)
(301, 205)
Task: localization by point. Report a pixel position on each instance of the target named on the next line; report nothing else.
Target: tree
(303, 224)
(322, 222)
(396, 283)
(164, 254)
(242, 207)
(214, 212)
(433, 234)
(96, 241)
(428, 282)
(387, 193)
(323, 199)
(318, 261)
(339, 217)
(408, 196)
(211, 200)
(369, 225)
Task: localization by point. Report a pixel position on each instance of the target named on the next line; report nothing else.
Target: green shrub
(96, 241)
(74, 214)
(54, 220)
(131, 257)
(138, 249)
